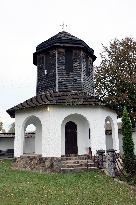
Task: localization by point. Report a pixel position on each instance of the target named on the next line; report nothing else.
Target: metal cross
(63, 26)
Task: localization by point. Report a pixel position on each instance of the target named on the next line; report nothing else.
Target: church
(69, 118)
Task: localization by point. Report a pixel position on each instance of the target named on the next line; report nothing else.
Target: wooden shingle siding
(46, 81)
(69, 80)
(88, 83)
(68, 60)
(71, 65)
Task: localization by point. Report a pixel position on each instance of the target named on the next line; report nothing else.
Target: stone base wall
(69, 163)
(37, 163)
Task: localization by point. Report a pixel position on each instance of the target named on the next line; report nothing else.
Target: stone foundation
(37, 163)
(68, 163)
(53, 164)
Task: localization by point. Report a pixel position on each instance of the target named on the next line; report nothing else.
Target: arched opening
(109, 133)
(29, 140)
(32, 139)
(75, 135)
(71, 138)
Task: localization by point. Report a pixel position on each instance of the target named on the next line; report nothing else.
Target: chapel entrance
(71, 138)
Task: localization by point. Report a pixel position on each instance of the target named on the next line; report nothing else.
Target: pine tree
(128, 144)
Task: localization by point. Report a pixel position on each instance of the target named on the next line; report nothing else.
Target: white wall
(22, 120)
(109, 142)
(51, 120)
(6, 143)
(120, 142)
(29, 145)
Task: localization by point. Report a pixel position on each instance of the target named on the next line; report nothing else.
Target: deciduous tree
(116, 76)
(12, 128)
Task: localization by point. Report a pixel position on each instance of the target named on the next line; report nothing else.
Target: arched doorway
(109, 133)
(71, 138)
(80, 136)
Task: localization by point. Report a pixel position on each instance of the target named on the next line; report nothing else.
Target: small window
(89, 133)
(69, 60)
(40, 60)
(87, 66)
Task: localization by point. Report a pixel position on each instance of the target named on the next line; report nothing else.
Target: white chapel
(68, 117)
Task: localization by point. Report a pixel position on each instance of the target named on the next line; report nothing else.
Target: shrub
(128, 144)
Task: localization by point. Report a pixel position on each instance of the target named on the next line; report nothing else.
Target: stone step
(80, 157)
(84, 163)
(77, 165)
(77, 169)
(77, 161)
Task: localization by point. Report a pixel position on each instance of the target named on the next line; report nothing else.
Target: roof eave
(40, 51)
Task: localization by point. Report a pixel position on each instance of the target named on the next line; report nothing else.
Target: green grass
(29, 188)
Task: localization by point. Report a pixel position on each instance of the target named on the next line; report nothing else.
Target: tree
(3, 130)
(116, 76)
(12, 128)
(128, 144)
(1, 126)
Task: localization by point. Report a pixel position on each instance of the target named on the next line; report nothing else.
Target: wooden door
(71, 138)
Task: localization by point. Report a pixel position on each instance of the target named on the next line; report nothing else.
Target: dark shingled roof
(63, 39)
(56, 98)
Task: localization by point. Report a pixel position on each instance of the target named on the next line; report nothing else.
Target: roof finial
(63, 26)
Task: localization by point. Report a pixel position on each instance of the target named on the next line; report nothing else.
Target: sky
(26, 23)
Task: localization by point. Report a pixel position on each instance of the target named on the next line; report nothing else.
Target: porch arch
(32, 146)
(109, 133)
(83, 141)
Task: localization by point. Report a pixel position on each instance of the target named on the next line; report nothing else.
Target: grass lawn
(29, 188)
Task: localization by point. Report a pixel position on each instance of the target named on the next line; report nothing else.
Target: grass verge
(84, 188)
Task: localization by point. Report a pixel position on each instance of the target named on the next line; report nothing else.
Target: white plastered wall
(51, 120)
(22, 120)
(29, 145)
(6, 143)
(109, 142)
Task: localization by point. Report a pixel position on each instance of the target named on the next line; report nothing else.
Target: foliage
(128, 144)
(3, 130)
(12, 128)
(116, 76)
(85, 188)
(1, 125)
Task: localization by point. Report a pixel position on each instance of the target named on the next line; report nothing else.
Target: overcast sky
(26, 23)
